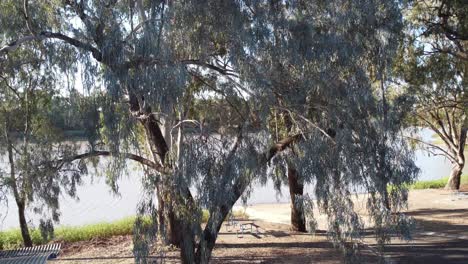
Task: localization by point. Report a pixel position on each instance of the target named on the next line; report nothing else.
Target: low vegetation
(11, 239)
(432, 184)
(435, 184)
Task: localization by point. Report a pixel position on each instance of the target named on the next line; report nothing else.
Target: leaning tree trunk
(296, 188)
(455, 176)
(24, 225)
(210, 233)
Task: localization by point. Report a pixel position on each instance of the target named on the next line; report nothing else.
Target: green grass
(10, 239)
(435, 184)
(432, 184)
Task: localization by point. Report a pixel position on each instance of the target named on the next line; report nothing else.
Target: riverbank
(436, 184)
(11, 239)
(440, 236)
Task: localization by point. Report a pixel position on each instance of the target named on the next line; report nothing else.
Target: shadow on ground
(436, 239)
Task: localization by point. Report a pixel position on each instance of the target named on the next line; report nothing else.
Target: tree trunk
(174, 228)
(159, 149)
(201, 253)
(454, 180)
(24, 225)
(210, 234)
(19, 201)
(296, 188)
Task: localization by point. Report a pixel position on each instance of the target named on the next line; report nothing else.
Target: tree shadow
(440, 251)
(287, 252)
(434, 240)
(433, 212)
(437, 221)
(279, 245)
(277, 233)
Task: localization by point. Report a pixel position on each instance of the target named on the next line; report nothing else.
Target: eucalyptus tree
(29, 140)
(432, 64)
(156, 57)
(281, 125)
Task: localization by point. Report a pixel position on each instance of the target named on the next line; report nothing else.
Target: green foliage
(431, 65)
(318, 61)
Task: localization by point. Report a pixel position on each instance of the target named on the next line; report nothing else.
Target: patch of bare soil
(441, 236)
(274, 243)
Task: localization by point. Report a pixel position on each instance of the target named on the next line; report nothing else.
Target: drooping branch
(457, 54)
(139, 61)
(445, 153)
(15, 44)
(11, 88)
(130, 156)
(436, 130)
(218, 69)
(52, 35)
(74, 42)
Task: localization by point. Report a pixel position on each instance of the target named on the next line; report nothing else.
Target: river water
(97, 202)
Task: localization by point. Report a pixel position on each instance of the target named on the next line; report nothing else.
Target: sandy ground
(441, 236)
(437, 203)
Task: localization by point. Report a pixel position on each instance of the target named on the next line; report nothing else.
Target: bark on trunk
(174, 228)
(159, 149)
(454, 180)
(296, 188)
(24, 226)
(19, 201)
(210, 234)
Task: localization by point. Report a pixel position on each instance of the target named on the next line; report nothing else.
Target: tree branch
(436, 130)
(52, 35)
(130, 156)
(445, 153)
(210, 66)
(282, 145)
(11, 88)
(27, 17)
